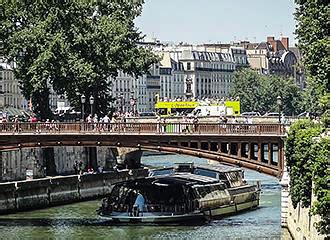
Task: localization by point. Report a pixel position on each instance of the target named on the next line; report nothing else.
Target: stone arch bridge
(258, 147)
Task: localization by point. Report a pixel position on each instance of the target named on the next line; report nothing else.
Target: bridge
(258, 147)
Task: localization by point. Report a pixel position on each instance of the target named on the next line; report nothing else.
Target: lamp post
(279, 103)
(83, 101)
(132, 102)
(121, 97)
(91, 102)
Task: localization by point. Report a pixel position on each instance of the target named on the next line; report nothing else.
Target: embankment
(52, 191)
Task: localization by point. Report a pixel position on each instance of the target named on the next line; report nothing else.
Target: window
(188, 66)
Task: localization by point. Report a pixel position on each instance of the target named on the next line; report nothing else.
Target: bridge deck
(144, 128)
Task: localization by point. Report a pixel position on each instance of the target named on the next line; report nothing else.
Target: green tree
(307, 157)
(259, 92)
(314, 42)
(73, 47)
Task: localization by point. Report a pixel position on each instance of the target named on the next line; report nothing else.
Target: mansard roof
(207, 56)
(263, 45)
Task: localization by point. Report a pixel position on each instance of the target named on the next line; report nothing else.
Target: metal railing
(144, 128)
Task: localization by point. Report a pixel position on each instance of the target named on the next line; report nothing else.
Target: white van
(62, 110)
(212, 111)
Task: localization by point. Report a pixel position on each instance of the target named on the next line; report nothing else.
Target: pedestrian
(234, 121)
(80, 167)
(105, 121)
(225, 120)
(282, 119)
(195, 123)
(249, 120)
(75, 167)
(16, 124)
(164, 124)
(158, 123)
(47, 124)
(245, 120)
(89, 118)
(95, 121)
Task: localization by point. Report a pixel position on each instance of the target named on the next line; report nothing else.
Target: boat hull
(202, 216)
(156, 219)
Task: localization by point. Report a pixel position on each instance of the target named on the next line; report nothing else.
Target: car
(147, 114)
(305, 115)
(251, 114)
(271, 114)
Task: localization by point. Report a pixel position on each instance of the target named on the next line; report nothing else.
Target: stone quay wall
(15, 163)
(52, 191)
(301, 223)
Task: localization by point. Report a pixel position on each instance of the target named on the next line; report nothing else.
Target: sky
(217, 21)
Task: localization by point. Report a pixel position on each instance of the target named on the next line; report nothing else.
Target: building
(300, 74)
(125, 88)
(207, 74)
(271, 57)
(10, 93)
(152, 86)
(172, 77)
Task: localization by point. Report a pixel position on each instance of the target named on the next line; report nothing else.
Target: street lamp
(91, 102)
(121, 97)
(132, 102)
(83, 100)
(279, 103)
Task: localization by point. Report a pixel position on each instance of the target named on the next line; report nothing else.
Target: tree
(72, 47)
(314, 43)
(259, 92)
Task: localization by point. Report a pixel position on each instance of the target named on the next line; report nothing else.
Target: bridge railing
(149, 128)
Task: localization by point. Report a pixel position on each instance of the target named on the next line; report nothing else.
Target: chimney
(285, 42)
(270, 39)
(272, 42)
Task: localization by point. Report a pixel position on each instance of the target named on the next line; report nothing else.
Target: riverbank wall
(52, 191)
(15, 164)
(301, 224)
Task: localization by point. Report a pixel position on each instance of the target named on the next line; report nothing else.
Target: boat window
(207, 173)
(234, 178)
(161, 172)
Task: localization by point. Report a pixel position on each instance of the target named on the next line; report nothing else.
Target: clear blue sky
(203, 21)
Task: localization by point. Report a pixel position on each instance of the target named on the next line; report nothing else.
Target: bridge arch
(256, 147)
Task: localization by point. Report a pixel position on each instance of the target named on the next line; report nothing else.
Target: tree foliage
(307, 157)
(321, 189)
(314, 43)
(72, 46)
(259, 92)
(307, 150)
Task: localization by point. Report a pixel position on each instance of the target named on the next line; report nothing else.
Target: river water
(80, 221)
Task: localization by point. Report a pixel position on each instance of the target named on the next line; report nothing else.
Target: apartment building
(10, 93)
(272, 57)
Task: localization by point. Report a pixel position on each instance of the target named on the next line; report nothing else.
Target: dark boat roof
(214, 168)
(218, 168)
(185, 178)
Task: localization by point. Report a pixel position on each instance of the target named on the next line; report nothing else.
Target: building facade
(272, 57)
(10, 93)
(207, 74)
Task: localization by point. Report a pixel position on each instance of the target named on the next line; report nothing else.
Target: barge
(183, 193)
